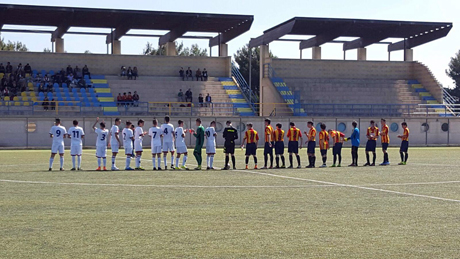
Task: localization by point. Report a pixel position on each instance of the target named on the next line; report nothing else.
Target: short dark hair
(279, 125)
(354, 123)
(372, 122)
(323, 126)
(102, 124)
(180, 122)
(292, 124)
(268, 120)
(75, 122)
(404, 123)
(57, 120)
(212, 122)
(310, 122)
(124, 93)
(128, 123)
(249, 124)
(140, 121)
(382, 119)
(155, 122)
(229, 122)
(198, 119)
(167, 118)
(117, 119)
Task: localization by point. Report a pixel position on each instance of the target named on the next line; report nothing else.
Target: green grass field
(410, 211)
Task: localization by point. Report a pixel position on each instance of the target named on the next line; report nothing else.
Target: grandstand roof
(228, 26)
(369, 32)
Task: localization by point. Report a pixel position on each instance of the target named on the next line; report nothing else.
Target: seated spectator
(53, 104)
(130, 73)
(41, 88)
(188, 95)
(69, 78)
(28, 69)
(123, 71)
(188, 74)
(22, 83)
(205, 74)
(19, 69)
(180, 96)
(4, 81)
(85, 71)
(77, 73)
(200, 100)
(119, 99)
(81, 83)
(9, 68)
(198, 75)
(6, 92)
(136, 99)
(125, 99)
(181, 73)
(208, 100)
(69, 70)
(45, 103)
(129, 99)
(46, 79)
(135, 73)
(2, 68)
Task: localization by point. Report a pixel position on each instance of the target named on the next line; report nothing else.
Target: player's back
(155, 133)
(58, 133)
(101, 139)
(210, 131)
(76, 134)
(180, 141)
(127, 135)
(114, 131)
(167, 130)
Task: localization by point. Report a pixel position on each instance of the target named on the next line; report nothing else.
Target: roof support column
(170, 49)
(362, 54)
(263, 72)
(116, 47)
(316, 52)
(59, 42)
(223, 50)
(408, 55)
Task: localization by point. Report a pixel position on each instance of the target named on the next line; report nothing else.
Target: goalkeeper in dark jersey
(230, 135)
(199, 135)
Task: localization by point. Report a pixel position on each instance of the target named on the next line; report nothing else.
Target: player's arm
(235, 135)
(94, 125)
(244, 141)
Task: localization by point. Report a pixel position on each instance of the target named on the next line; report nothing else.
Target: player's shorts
(279, 147)
(156, 149)
(76, 150)
(384, 146)
(57, 148)
(268, 149)
(138, 146)
(404, 146)
(210, 149)
(337, 149)
(371, 145)
(323, 152)
(293, 147)
(168, 146)
(311, 147)
(101, 151)
(115, 147)
(229, 148)
(251, 149)
(181, 150)
(128, 150)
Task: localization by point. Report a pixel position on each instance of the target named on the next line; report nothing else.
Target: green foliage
(454, 72)
(193, 51)
(12, 46)
(46, 50)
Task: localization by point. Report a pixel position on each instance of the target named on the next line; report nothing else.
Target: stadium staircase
(236, 96)
(427, 98)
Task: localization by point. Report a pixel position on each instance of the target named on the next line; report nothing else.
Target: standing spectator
(180, 96)
(9, 68)
(53, 105)
(19, 69)
(198, 75)
(208, 100)
(123, 71)
(129, 99)
(200, 100)
(205, 74)
(135, 73)
(188, 73)
(188, 95)
(69, 70)
(119, 99)
(77, 72)
(181, 73)
(130, 73)
(45, 103)
(85, 71)
(2, 68)
(28, 69)
(136, 99)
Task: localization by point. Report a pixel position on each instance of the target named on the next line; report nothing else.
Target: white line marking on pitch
(352, 186)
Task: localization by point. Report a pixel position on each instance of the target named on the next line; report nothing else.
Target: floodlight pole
(250, 73)
(111, 36)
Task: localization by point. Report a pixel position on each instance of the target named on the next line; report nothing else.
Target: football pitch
(410, 211)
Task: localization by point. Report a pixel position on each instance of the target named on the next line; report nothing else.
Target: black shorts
(404, 146)
(371, 145)
(337, 149)
(279, 147)
(311, 147)
(268, 149)
(251, 149)
(384, 146)
(323, 152)
(229, 148)
(293, 147)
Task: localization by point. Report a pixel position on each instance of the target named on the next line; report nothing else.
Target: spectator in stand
(69, 79)
(9, 68)
(119, 99)
(85, 71)
(77, 73)
(198, 75)
(188, 73)
(4, 81)
(69, 70)
(6, 92)
(208, 100)
(130, 73)
(19, 69)
(45, 103)
(22, 83)
(129, 99)
(135, 73)
(180, 96)
(124, 99)
(205, 74)
(2, 68)
(188, 95)
(182, 73)
(135, 99)
(53, 104)
(200, 100)
(123, 71)
(41, 88)
(28, 69)
(81, 83)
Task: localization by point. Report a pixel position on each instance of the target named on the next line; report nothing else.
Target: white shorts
(57, 148)
(181, 150)
(211, 149)
(138, 145)
(128, 150)
(101, 151)
(115, 147)
(76, 150)
(168, 146)
(156, 149)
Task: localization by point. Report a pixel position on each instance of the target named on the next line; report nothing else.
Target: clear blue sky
(269, 13)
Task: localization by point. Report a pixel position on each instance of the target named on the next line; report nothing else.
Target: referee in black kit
(230, 135)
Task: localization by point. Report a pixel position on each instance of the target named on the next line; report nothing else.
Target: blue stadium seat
(77, 98)
(86, 77)
(69, 104)
(41, 98)
(41, 94)
(50, 95)
(51, 72)
(43, 72)
(83, 91)
(60, 99)
(56, 85)
(64, 85)
(91, 90)
(34, 72)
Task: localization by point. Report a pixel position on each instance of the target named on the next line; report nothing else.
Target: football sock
(407, 156)
(211, 159)
(98, 162)
(309, 160)
(51, 162)
(128, 161)
(154, 161)
(79, 161)
(265, 159)
(177, 162)
(233, 161)
(207, 161)
(104, 161)
(282, 160)
(172, 159)
(255, 160)
(340, 159)
(61, 161)
(335, 159)
(73, 161)
(159, 162)
(164, 160)
(298, 160)
(367, 158)
(324, 159)
(290, 160)
(247, 160)
(313, 160)
(374, 156)
(138, 161)
(113, 161)
(402, 156)
(226, 160)
(184, 160)
(277, 161)
(271, 160)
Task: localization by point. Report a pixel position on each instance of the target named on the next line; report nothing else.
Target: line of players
(163, 139)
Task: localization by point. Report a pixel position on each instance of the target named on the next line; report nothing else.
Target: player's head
(229, 123)
(323, 126)
(329, 131)
(212, 124)
(155, 122)
(102, 124)
(198, 122)
(267, 121)
(128, 124)
(279, 126)
(75, 123)
(180, 123)
(249, 125)
(132, 126)
(310, 124)
(372, 123)
(167, 119)
(383, 121)
(57, 121)
(140, 123)
(292, 124)
(355, 124)
(117, 121)
(404, 125)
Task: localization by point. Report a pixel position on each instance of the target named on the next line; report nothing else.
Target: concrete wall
(14, 130)
(111, 64)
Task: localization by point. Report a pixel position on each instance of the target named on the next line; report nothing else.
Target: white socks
(104, 161)
(177, 162)
(159, 162)
(61, 161)
(128, 161)
(113, 161)
(208, 164)
(164, 159)
(73, 161)
(51, 162)
(153, 162)
(172, 159)
(184, 160)
(138, 161)
(212, 160)
(79, 161)
(98, 162)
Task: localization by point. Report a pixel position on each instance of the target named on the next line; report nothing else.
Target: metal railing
(250, 96)
(450, 101)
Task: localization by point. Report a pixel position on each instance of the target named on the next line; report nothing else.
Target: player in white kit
(76, 134)
(139, 134)
(57, 133)
(155, 133)
(128, 138)
(114, 142)
(181, 148)
(101, 144)
(210, 134)
(167, 130)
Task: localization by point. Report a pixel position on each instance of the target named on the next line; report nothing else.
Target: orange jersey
(324, 136)
(384, 135)
(269, 132)
(294, 134)
(278, 135)
(251, 136)
(405, 135)
(338, 136)
(374, 131)
(312, 134)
